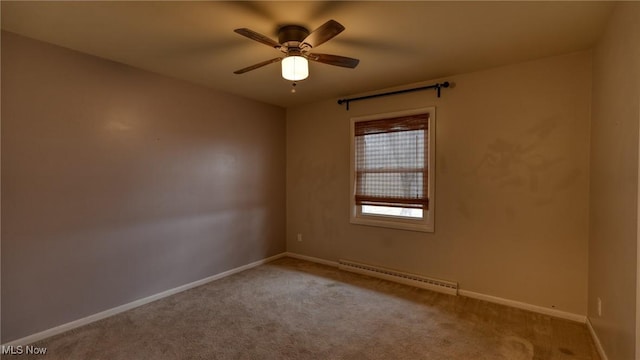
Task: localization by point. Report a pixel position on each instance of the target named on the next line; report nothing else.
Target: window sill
(394, 223)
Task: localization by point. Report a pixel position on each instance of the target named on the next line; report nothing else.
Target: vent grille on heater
(444, 286)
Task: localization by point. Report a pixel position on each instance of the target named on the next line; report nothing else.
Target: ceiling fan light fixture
(296, 43)
(295, 68)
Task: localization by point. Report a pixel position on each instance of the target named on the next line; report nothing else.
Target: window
(392, 157)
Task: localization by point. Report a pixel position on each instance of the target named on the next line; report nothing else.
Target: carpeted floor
(292, 309)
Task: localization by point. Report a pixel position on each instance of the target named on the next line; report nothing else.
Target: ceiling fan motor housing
(291, 36)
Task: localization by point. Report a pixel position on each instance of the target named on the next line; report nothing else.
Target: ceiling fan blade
(334, 60)
(258, 37)
(258, 65)
(324, 33)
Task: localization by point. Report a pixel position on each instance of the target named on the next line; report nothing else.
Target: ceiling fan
(296, 42)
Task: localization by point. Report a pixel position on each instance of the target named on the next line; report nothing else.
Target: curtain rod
(436, 86)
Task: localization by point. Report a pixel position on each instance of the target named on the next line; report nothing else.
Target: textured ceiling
(397, 42)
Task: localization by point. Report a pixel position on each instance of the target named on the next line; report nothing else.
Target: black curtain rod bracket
(436, 86)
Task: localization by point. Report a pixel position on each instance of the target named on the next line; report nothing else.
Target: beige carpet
(292, 309)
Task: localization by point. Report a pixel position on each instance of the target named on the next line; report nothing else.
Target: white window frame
(426, 224)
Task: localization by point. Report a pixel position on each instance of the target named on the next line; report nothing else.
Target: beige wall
(614, 183)
(118, 184)
(511, 220)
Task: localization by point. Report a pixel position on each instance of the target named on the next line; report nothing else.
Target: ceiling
(397, 42)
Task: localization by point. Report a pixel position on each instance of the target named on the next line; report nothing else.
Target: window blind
(390, 162)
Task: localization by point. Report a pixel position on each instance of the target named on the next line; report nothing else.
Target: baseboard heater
(443, 286)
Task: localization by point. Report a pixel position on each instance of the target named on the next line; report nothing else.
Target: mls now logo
(19, 350)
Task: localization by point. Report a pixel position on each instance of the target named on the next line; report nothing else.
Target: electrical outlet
(599, 307)
(299, 237)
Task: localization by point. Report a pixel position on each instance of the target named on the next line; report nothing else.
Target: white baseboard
(596, 340)
(494, 299)
(134, 304)
(312, 259)
(525, 306)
